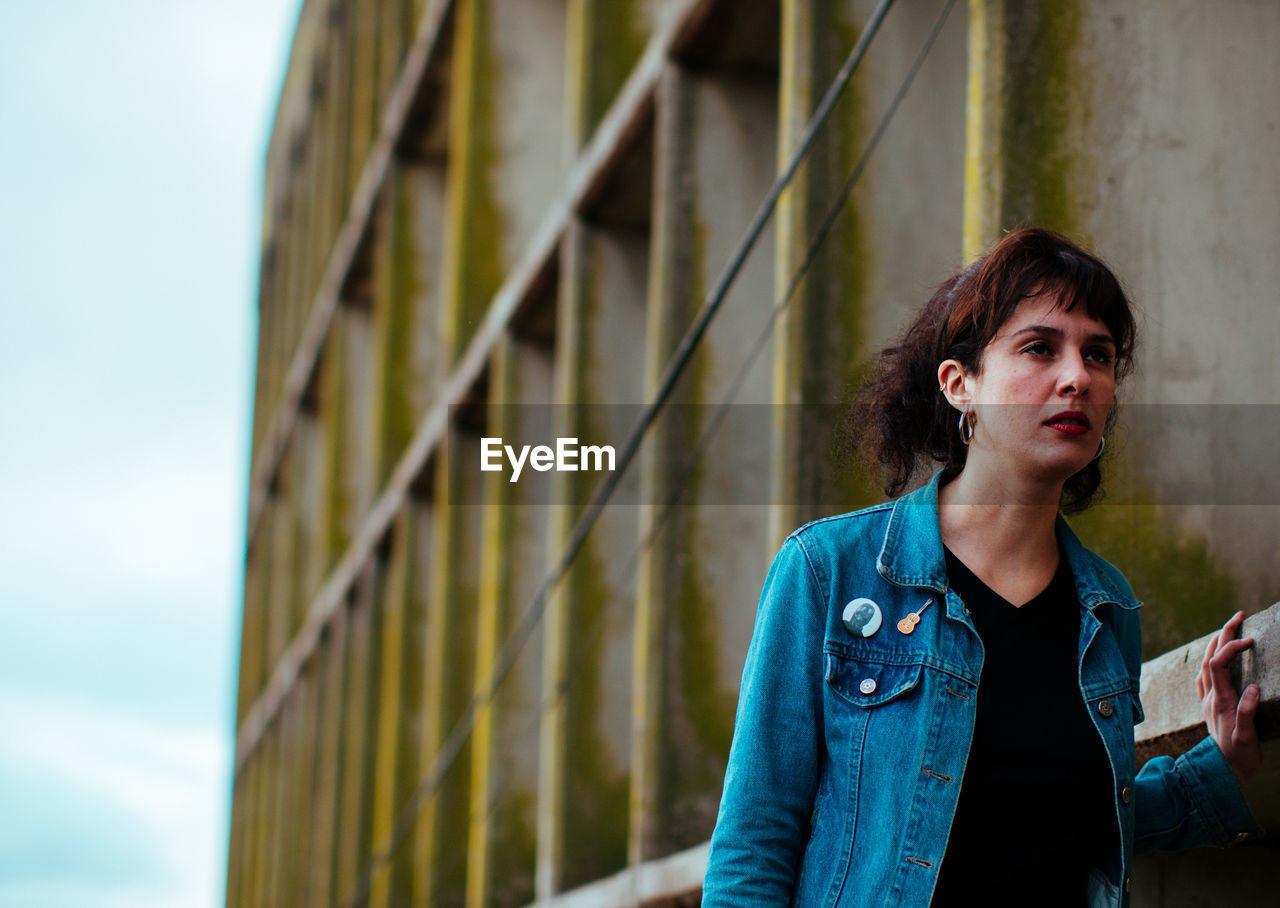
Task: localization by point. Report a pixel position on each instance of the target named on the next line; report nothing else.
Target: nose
(1075, 378)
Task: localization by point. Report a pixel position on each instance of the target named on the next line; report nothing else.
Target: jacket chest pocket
(869, 682)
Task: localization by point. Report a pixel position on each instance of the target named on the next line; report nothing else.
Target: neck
(988, 518)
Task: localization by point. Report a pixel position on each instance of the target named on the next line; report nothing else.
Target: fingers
(1213, 682)
(1246, 732)
(1224, 692)
(1202, 680)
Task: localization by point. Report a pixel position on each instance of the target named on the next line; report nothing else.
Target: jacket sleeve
(1193, 800)
(772, 775)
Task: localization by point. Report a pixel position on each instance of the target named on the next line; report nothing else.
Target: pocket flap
(867, 683)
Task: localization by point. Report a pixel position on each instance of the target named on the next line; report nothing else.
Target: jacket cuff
(1217, 795)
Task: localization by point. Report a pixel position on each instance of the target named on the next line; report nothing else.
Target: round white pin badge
(861, 617)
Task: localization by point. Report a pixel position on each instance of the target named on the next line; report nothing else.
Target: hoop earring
(1102, 444)
(966, 429)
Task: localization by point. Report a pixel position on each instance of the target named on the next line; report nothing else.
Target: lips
(1069, 422)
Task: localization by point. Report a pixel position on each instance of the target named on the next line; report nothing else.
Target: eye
(1038, 348)
(1100, 355)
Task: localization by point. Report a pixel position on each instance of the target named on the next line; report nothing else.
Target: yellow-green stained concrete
(440, 845)
(606, 40)
(246, 893)
(1044, 131)
(280, 806)
(309, 485)
(363, 82)
(1187, 591)
(822, 337)
(395, 31)
(404, 337)
(359, 734)
(334, 419)
(253, 629)
(330, 709)
(398, 712)
(583, 793)
(688, 582)
(475, 257)
(594, 786)
(501, 851)
(283, 576)
(302, 778)
(1028, 159)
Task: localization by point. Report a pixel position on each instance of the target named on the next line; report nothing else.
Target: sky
(132, 139)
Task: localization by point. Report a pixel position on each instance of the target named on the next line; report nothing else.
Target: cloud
(129, 807)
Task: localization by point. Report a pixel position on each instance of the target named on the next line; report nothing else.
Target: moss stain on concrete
(1187, 592)
(1045, 116)
(596, 789)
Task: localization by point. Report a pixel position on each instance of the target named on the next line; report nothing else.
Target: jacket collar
(912, 553)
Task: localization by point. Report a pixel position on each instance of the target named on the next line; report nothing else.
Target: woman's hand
(1230, 718)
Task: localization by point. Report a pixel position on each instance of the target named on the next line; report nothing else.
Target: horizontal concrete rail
(671, 882)
(1173, 719)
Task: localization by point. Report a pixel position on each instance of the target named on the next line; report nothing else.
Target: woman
(938, 702)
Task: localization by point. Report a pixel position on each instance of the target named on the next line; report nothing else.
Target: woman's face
(1045, 387)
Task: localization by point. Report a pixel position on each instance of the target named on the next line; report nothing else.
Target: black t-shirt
(1036, 809)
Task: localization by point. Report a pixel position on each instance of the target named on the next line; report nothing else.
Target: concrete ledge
(671, 882)
(1173, 720)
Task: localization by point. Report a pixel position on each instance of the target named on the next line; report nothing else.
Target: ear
(956, 384)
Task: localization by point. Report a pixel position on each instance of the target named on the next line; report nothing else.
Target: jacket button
(868, 686)
(1106, 709)
(1242, 836)
(1126, 794)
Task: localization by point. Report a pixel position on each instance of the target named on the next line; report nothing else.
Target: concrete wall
(499, 217)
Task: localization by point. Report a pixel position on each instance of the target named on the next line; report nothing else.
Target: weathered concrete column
(364, 69)
(284, 580)
(504, 164)
(359, 732)
(329, 706)
(309, 513)
(251, 867)
(504, 745)
(714, 160)
(440, 844)
(301, 776)
(897, 235)
(348, 423)
(584, 768)
(406, 287)
(399, 715)
(1027, 136)
(585, 741)
(605, 41)
(279, 844)
(253, 623)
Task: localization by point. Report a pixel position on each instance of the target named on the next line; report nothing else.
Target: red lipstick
(1069, 422)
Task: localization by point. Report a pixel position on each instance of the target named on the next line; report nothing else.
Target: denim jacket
(848, 752)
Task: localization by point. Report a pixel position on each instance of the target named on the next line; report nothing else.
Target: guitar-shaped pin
(908, 624)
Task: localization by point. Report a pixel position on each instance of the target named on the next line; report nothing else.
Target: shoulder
(828, 540)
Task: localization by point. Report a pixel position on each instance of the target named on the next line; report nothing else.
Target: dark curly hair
(901, 418)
